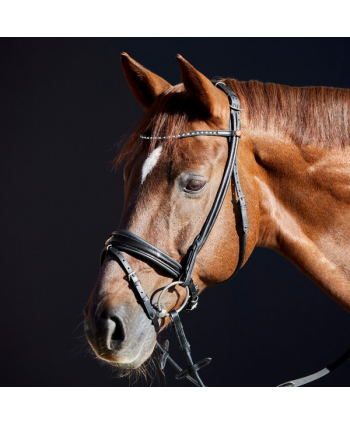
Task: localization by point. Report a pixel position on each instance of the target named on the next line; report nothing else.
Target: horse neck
(302, 202)
(297, 184)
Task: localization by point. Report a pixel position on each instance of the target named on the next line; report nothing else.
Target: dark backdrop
(64, 104)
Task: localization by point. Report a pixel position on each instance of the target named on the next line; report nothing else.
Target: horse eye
(195, 185)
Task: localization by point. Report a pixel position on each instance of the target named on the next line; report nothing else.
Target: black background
(64, 105)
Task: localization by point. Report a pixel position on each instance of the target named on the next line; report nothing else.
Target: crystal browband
(221, 133)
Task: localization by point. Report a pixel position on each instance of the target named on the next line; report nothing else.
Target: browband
(220, 133)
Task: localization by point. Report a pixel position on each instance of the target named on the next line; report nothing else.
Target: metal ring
(162, 312)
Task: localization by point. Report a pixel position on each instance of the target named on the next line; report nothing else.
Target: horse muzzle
(120, 336)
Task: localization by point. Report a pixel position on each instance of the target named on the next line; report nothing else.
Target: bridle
(125, 241)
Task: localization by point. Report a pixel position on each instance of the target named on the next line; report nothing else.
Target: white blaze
(150, 162)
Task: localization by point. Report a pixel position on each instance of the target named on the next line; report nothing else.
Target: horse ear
(145, 85)
(201, 89)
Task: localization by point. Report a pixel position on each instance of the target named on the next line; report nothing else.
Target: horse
(294, 163)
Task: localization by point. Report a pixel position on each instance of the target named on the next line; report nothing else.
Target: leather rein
(125, 241)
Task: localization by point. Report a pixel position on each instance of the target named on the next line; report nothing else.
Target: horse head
(170, 186)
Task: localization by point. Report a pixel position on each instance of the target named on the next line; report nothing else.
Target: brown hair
(308, 115)
(167, 117)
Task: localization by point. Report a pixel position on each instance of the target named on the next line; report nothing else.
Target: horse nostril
(117, 335)
(110, 331)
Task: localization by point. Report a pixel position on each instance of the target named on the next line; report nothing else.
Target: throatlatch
(125, 241)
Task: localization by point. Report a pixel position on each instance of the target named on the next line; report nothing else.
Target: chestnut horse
(294, 166)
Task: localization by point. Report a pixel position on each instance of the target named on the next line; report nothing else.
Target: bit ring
(161, 313)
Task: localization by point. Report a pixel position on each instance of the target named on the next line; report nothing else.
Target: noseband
(125, 241)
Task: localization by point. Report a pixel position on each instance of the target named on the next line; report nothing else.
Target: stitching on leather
(145, 243)
(166, 257)
(135, 239)
(135, 249)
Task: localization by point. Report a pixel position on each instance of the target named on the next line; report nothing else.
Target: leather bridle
(125, 241)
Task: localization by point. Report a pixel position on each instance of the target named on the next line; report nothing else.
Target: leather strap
(165, 357)
(244, 224)
(304, 380)
(235, 120)
(129, 242)
(312, 377)
(192, 369)
(231, 169)
(135, 283)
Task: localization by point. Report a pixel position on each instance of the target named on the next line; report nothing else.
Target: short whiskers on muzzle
(149, 372)
(82, 345)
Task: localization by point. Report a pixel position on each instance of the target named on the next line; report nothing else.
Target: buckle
(193, 300)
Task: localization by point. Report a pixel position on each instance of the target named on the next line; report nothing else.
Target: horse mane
(308, 115)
